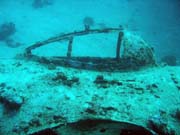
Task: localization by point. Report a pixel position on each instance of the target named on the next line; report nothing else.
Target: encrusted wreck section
(132, 52)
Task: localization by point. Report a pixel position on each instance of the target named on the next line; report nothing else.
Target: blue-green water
(158, 22)
(36, 96)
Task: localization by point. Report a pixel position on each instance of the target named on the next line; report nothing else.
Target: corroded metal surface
(141, 57)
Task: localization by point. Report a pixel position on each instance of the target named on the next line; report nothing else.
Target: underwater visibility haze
(89, 67)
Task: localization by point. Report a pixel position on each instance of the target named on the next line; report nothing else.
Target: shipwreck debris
(132, 52)
(96, 126)
(101, 82)
(61, 78)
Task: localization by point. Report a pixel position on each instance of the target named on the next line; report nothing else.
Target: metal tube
(118, 47)
(70, 47)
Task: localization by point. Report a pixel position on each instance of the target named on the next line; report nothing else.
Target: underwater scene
(89, 67)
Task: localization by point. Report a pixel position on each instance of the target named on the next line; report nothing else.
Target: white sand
(44, 98)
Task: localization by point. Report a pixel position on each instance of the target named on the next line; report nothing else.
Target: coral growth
(6, 30)
(88, 22)
(62, 78)
(104, 83)
(41, 3)
(9, 97)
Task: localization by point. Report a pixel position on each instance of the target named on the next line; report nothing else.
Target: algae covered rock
(7, 29)
(135, 51)
(10, 98)
(61, 78)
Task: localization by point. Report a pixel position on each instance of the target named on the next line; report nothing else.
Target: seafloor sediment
(34, 96)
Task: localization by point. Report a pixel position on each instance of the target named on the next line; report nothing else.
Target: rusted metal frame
(118, 47)
(68, 36)
(70, 47)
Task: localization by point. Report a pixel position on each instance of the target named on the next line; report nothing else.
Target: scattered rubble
(175, 80)
(10, 98)
(104, 83)
(62, 78)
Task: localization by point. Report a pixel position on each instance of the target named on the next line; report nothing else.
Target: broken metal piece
(97, 127)
(70, 47)
(120, 38)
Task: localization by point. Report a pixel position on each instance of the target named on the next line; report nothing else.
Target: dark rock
(160, 126)
(62, 78)
(2, 85)
(49, 108)
(74, 80)
(139, 88)
(100, 77)
(10, 98)
(11, 101)
(156, 96)
(178, 87)
(174, 80)
(100, 80)
(58, 118)
(91, 111)
(109, 108)
(151, 87)
(116, 82)
(47, 131)
(103, 83)
(177, 115)
(67, 83)
(154, 85)
(131, 80)
(35, 122)
(6, 30)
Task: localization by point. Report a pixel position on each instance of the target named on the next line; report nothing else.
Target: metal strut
(69, 36)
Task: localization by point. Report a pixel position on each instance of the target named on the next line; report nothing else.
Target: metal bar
(70, 47)
(118, 47)
(70, 35)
